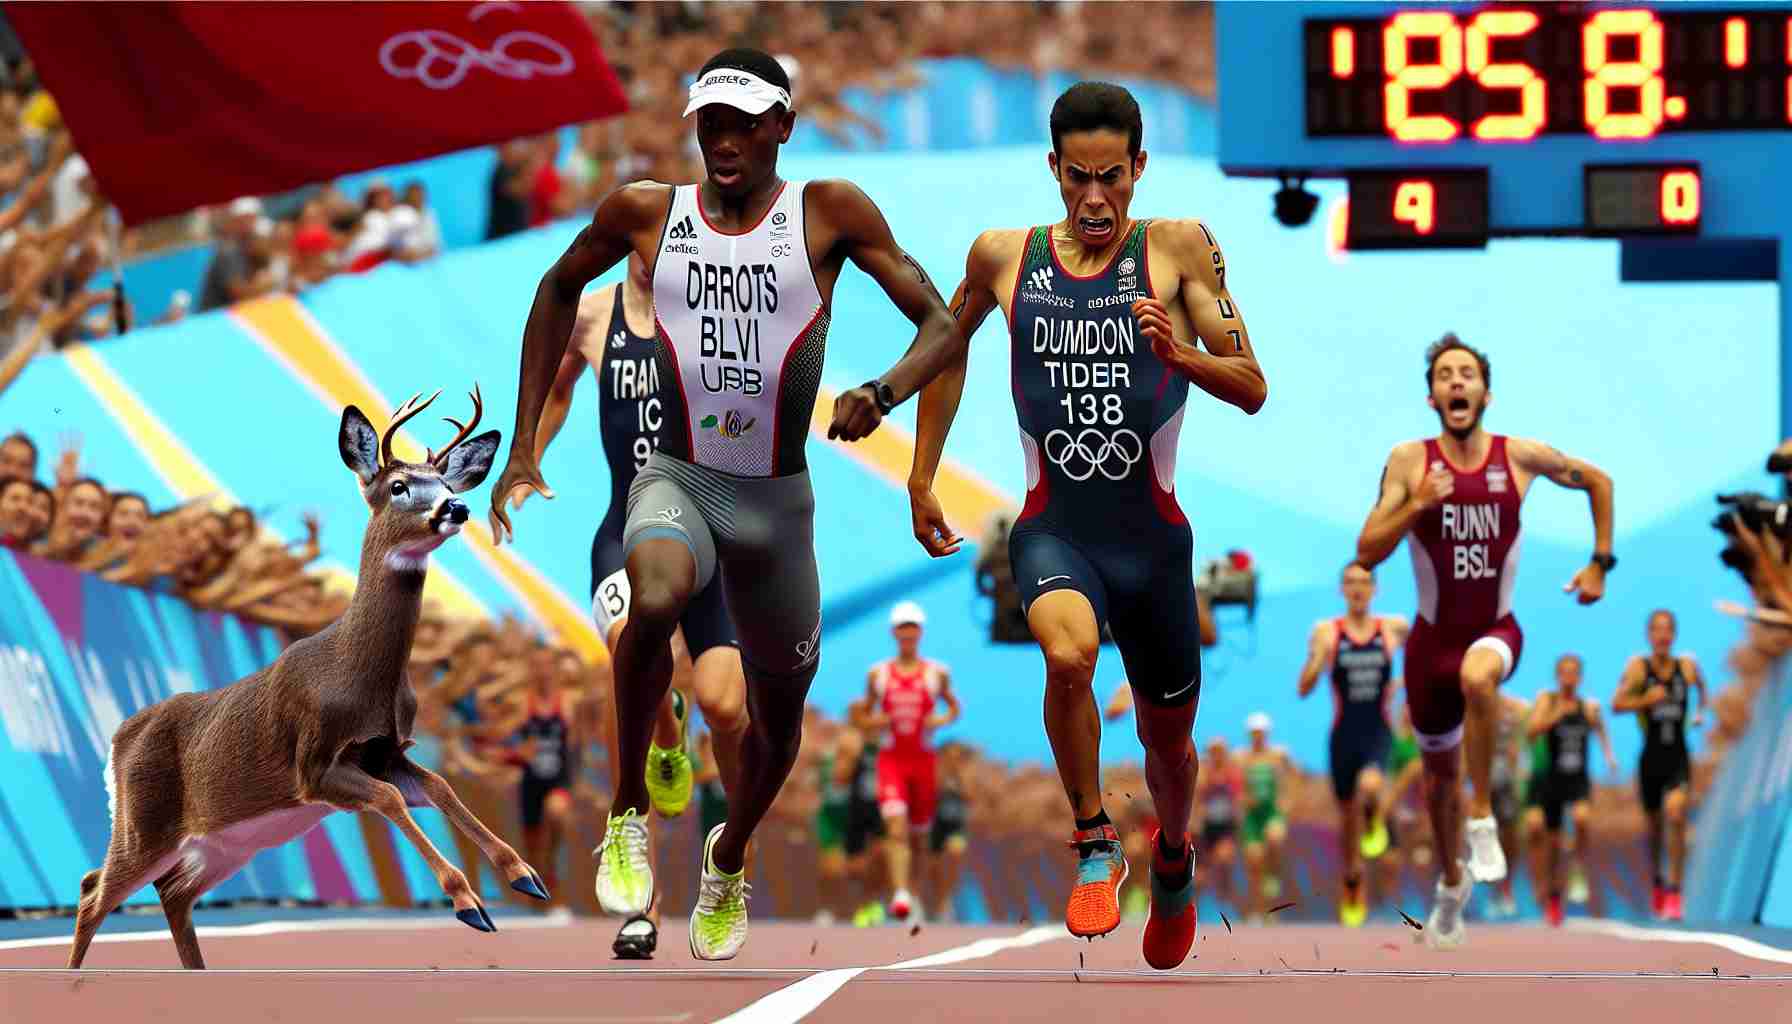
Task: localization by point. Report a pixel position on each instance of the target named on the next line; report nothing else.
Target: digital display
(1511, 73)
(1411, 209)
(1629, 199)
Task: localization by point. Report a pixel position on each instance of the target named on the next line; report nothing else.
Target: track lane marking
(1722, 940)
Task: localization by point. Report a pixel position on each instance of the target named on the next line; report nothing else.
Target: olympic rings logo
(1090, 451)
(441, 60)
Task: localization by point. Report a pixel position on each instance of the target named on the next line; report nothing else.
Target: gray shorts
(759, 532)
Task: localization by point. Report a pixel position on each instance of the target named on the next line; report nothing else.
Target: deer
(199, 783)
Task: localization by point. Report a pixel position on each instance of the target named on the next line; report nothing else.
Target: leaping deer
(201, 782)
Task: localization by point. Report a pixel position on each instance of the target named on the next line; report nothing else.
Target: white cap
(742, 90)
(247, 206)
(1257, 722)
(907, 613)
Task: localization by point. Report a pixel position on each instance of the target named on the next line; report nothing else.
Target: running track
(543, 971)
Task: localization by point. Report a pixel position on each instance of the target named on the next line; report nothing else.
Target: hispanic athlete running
(1104, 315)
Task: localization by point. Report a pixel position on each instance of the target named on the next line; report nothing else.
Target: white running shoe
(1443, 928)
(901, 903)
(624, 868)
(1486, 861)
(1578, 889)
(719, 921)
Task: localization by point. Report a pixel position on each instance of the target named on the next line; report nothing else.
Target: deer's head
(413, 503)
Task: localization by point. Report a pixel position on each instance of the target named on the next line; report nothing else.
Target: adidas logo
(1041, 279)
(684, 229)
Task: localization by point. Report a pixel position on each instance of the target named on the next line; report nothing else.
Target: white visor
(742, 90)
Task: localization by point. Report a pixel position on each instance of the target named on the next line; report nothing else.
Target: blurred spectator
(25, 510)
(18, 457)
(80, 515)
(233, 274)
(424, 240)
(511, 182)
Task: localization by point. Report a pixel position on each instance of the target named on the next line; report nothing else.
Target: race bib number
(610, 604)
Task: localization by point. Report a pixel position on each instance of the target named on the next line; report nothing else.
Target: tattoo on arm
(921, 275)
(958, 307)
(1574, 475)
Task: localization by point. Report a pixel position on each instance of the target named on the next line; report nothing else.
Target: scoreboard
(1663, 125)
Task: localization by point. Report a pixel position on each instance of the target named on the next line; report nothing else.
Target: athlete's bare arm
(1690, 666)
(1543, 715)
(871, 716)
(1406, 492)
(628, 220)
(1597, 720)
(1319, 651)
(593, 321)
(1397, 628)
(940, 721)
(1534, 458)
(1631, 696)
(863, 236)
(1119, 704)
(973, 301)
(1228, 370)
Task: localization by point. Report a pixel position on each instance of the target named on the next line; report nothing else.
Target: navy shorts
(1143, 592)
(1355, 748)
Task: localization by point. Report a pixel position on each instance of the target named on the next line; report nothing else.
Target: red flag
(177, 105)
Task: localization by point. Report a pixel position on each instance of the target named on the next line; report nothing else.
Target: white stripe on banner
(1722, 940)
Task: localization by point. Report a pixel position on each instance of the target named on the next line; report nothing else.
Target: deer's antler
(404, 412)
(440, 459)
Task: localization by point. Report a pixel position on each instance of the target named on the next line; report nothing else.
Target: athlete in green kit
(830, 825)
(1264, 828)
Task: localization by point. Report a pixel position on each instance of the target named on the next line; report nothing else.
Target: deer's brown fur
(202, 781)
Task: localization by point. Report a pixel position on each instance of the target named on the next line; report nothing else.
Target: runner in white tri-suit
(743, 267)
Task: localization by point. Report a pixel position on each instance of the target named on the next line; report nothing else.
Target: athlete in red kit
(903, 692)
(1458, 496)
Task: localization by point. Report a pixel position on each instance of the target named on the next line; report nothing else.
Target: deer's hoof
(476, 918)
(531, 885)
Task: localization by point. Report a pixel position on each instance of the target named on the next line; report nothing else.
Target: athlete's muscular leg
(1673, 810)
(1170, 763)
(1482, 670)
(1443, 799)
(896, 845)
(1583, 822)
(665, 724)
(721, 693)
(662, 575)
(1063, 621)
(768, 752)
(1655, 831)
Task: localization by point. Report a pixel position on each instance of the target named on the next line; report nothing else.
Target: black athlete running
(1656, 686)
(1565, 720)
(744, 266)
(1105, 314)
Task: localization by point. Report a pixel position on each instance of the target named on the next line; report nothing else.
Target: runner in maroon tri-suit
(1458, 495)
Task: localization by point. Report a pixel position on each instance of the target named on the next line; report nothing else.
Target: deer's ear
(359, 445)
(470, 461)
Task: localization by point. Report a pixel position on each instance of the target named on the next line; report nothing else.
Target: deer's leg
(177, 904)
(521, 876)
(348, 787)
(125, 871)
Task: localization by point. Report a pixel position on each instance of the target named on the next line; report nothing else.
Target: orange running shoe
(1670, 906)
(1170, 930)
(1095, 902)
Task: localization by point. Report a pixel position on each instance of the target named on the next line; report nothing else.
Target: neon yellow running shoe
(1374, 842)
(669, 769)
(719, 922)
(624, 869)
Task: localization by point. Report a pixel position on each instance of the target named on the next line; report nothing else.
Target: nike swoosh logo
(1185, 689)
(1049, 579)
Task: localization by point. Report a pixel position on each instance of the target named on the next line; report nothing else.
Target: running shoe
(901, 903)
(1443, 928)
(1552, 910)
(624, 869)
(1578, 890)
(1170, 930)
(719, 922)
(1374, 842)
(1272, 888)
(1505, 906)
(870, 915)
(1671, 910)
(1353, 908)
(1094, 907)
(636, 940)
(1658, 897)
(1486, 861)
(824, 917)
(669, 768)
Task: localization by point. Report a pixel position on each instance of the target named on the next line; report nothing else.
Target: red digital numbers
(1468, 49)
(1415, 203)
(1680, 197)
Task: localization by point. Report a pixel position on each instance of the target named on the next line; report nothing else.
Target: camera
(1294, 205)
(995, 580)
(1231, 580)
(1759, 514)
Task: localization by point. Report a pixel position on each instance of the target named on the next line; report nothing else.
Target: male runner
(947, 840)
(1458, 494)
(613, 335)
(1359, 649)
(743, 267)
(1264, 829)
(902, 691)
(1655, 686)
(1219, 795)
(1104, 313)
(1564, 718)
(834, 771)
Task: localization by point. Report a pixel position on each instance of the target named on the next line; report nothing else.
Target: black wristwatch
(1607, 562)
(882, 395)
